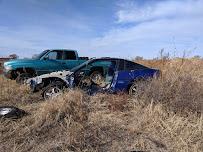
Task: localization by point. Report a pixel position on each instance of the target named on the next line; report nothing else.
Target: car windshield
(81, 65)
(40, 55)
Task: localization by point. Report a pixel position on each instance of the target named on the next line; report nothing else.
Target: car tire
(133, 89)
(52, 90)
(137, 87)
(21, 78)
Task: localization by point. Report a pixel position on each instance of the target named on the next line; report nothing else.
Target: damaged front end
(39, 82)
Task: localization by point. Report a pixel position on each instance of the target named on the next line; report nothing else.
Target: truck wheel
(21, 78)
(97, 77)
(52, 90)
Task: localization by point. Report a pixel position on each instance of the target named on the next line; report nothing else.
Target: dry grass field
(166, 115)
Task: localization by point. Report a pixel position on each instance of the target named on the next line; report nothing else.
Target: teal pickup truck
(46, 62)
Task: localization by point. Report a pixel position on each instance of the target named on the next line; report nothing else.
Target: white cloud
(165, 24)
(131, 11)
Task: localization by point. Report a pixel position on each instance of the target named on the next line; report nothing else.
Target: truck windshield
(41, 55)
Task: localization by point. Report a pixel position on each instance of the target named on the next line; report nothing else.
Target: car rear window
(133, 66)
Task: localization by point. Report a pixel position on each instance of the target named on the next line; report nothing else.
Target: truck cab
(46, 62)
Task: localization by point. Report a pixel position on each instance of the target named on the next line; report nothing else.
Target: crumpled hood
(59, 74)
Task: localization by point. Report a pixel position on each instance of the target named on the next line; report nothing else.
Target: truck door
(53, 61)
(70, 59)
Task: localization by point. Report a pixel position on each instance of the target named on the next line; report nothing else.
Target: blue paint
(124, 79)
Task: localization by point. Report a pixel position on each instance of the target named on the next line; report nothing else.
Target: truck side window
(55, 55)
(69, 55)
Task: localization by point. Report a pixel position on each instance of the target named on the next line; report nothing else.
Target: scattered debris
(11, 112)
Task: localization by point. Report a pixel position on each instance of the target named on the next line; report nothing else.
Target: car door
(128, 72)
(89, 68)
(121, 81)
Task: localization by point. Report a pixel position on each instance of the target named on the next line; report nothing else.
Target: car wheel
(133, 89)
(21, 78)
(138, 87)
(53, 90)
(97, 77)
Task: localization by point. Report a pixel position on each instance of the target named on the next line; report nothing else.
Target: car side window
(101, 63)
(55, 55)
(133, 66)
(69, 55)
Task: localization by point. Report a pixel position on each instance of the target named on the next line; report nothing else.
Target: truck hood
(27, 63)
(20, 61)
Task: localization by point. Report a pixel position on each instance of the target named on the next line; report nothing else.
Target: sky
(97, 28)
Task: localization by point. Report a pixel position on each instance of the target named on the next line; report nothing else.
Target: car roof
(111, 58)
(108, 58)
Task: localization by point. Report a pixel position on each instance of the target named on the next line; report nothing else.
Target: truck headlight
(7, 68)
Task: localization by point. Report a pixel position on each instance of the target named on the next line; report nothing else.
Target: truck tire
(21, 78)
(53, 90)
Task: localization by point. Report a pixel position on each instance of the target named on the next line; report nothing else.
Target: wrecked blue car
(107, 75)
